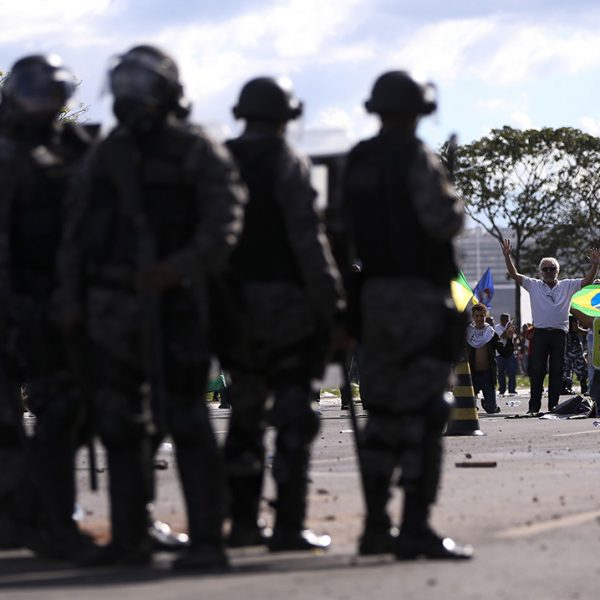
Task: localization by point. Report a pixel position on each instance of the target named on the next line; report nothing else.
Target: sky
(523, 63)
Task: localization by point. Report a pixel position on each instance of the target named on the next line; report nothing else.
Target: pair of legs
(60, 414)
(483, 381)
(123, 421)
(20, 509)
(548, 349)
(507, 370)
(273, 359)
(296, 424)
(404, 375)
(575, 365)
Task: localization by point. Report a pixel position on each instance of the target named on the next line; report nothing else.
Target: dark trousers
(484, 381)
(548, 349)
(507, 369)
(595, 389)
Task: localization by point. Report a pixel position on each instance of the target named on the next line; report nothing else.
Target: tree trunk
(517, 319)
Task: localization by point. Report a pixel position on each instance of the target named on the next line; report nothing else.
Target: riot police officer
(404, 215)
(158, 205)
(289, 291)
(38, 156)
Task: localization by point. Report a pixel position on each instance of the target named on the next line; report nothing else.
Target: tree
(541, 184)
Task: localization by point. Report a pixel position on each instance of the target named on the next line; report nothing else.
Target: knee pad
(292, 410)
(244, 449)
(378, 462)
(393, 431)
(301, 430)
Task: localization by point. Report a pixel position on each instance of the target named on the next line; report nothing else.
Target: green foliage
(542, 184)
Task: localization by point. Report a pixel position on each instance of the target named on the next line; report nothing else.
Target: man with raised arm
(550, 302)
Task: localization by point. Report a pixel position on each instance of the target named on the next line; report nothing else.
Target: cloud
(491, 104)
(533, 51)
(521, 120)
(280, 39)
(498, 49)
(29, 20)
(590, 125)
(440, 50)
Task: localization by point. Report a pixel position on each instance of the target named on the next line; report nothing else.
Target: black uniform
(36, 165)
(189, 198)
(288, 287)
(404, 216)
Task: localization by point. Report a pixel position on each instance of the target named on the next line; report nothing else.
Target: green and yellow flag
(587, 300)
(461, 292)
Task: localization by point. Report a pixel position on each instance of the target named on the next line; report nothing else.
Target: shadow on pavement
(29, 572)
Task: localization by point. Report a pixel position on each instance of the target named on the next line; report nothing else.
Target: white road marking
(577, 433)
(522, 531)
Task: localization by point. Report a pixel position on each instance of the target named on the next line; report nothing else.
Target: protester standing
(550, 302)
(482, 345)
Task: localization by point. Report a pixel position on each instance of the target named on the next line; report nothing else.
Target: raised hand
(506, 247)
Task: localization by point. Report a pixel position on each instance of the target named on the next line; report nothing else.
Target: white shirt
(550, 305)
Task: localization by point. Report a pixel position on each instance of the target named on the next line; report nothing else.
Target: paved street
(534, 520)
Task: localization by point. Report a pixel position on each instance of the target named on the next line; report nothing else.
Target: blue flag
(484, 290)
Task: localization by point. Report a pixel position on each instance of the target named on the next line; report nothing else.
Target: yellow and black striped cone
(463, 418)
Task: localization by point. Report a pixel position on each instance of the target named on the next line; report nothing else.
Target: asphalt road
(534, 519)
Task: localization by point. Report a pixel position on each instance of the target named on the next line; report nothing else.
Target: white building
(476, 250)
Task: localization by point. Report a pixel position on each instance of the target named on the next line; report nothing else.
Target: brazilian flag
(587, 300)
(461, 292)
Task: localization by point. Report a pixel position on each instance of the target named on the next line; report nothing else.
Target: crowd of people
(129, 260)
(553, 345)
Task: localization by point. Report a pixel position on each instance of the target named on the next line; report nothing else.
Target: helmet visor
(137, 83)
(38, 89)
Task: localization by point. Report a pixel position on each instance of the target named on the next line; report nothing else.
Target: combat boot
(289, 533)
(204, 495)
(249, 533)
(427, 544)
(378, 535)
(418, 540)
(377, 541)
(205, 556)
(131, 544)
(116, 555)
(289, 540)
(164, 539)
(246, 528)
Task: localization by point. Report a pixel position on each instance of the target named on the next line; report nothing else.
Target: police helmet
(397, 92)
(268, 99)
(147, 75)
(39, 84)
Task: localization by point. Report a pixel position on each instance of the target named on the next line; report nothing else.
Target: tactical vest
(169, 194)
(263, 252)
(43, 168)
(596, 343)
(390, 241)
